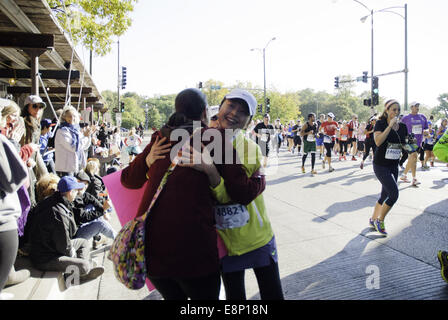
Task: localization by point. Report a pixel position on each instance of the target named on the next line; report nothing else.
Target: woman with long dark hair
(390, 135)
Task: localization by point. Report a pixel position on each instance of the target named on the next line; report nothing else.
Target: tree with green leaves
(441, 111)
(94, 23)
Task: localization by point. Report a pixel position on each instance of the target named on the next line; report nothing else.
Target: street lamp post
(264, 67)
(405, 17)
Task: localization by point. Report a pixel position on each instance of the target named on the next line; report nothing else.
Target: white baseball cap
(414, 103)
(33, 99)
(330, 114)
(246, 96)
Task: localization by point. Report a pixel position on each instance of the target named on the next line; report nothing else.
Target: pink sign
(125, 201)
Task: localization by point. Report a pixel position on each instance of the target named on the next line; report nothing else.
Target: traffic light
(364, 76)
(368, 102)
(336, 82)
(375, 97)
(260, 108)
(268, 105)
(121, 107)
(123, 77)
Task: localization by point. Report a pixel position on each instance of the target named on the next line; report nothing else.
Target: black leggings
(313, 159)
(404, 157)
(202, 288)
(268, 279)
(387, 176)
(9, 244)
(329, 147)
(343, 147)
(369, 145)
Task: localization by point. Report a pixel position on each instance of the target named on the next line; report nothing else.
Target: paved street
(326, 248)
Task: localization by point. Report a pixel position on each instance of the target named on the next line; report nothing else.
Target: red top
(181, 239)
(352, 127)
(330, 127)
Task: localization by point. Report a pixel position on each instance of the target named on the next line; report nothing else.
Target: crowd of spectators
(54, 206)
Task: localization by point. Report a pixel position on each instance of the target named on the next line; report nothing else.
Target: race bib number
(327, 139)
(393, 151)
(344, 137)
(231, 216)
(264, 137)
(430, 141)
(310, 138)
(417, 129)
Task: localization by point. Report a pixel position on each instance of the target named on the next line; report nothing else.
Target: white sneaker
(6, 296)
(16, 277)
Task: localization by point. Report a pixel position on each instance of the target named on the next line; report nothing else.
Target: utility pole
(264, 76)
(118, 77)
(405, 56)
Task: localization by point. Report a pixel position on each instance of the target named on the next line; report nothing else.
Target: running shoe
(354, 159)
(379, 226)
(340, 158)
(345, 159)
(372, 223)
(362, 165)
(330, 169)
(303, 169)
(313, 172)
(432, 163)
(415, 182)
(443, 260)
(404, 179)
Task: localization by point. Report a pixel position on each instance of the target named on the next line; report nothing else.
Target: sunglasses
(36, 106)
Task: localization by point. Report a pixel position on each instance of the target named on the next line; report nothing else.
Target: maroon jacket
(181, 239)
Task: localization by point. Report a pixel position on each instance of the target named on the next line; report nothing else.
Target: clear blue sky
(174, 44)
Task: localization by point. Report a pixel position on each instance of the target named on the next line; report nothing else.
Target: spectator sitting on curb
(91, 214)
(45, 187)
(53, 246)
(96, 187)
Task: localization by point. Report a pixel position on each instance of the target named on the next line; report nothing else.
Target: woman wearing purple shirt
(416, 124)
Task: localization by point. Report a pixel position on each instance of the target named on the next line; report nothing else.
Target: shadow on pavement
(347, 206)
(405, 264)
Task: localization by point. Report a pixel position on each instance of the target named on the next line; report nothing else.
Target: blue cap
(46, 123)
(69, 183)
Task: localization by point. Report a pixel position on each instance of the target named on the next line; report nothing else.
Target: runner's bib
(327, 139)
(344, 137)
(231, 216)
(417, 129)
(264, 137)
(310, 138)
(393, 151)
